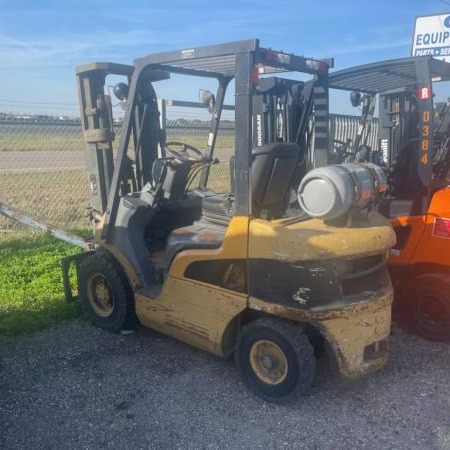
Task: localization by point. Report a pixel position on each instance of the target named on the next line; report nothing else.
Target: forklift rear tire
(275, 359)
(105, 293)
(428, 306)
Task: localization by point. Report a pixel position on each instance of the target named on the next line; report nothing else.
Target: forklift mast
(283, 111)
(99, 129)
(406, 133)
(275, 109)
(441, 160)
(97, 125)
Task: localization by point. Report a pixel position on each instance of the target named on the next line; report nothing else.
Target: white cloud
(69, 48)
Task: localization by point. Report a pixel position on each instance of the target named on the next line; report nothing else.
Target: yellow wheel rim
(268, 362)
(100, 296)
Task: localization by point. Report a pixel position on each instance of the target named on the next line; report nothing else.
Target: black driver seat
(273, 167)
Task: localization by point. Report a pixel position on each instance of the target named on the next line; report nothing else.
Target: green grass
(31, 292)
(39, 142)
(54, 197)
(26, 141)
(219, 177)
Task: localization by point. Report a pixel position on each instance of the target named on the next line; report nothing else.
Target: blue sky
(41, 42)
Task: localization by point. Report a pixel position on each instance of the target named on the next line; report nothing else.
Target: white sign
(432, 37)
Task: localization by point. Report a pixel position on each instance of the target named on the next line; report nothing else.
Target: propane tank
(331, 191)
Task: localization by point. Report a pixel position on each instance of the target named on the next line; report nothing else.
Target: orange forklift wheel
(428, 304)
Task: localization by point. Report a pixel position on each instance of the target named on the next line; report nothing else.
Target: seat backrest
(273, 167)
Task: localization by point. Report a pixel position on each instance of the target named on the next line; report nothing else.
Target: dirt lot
(75, 386)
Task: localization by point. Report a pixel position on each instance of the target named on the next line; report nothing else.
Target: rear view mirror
(208, 99)
(120, 91)
(355, 98)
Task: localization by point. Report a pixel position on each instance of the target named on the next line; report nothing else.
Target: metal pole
(30, 222)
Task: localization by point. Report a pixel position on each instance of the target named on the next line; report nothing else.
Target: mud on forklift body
(414, 148)
(243, 279)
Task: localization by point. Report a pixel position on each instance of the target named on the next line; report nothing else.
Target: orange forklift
(414, 149)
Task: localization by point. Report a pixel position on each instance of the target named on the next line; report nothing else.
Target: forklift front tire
(275, 359)
(105, 294)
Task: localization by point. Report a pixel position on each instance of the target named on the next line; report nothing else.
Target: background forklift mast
(403, 127)
(406, 139)
(415, 152)
(245, 278)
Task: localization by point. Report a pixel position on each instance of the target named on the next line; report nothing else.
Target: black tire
(105, 294)
(275, 359)
(427, 306)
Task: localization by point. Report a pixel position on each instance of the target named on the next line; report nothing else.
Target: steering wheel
(184, 152)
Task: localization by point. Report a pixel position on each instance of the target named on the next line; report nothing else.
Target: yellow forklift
(233, 272)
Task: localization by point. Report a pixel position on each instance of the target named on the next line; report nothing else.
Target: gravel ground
(75, 386)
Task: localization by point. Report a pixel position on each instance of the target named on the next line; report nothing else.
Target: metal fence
(345, 127)
(42, 170)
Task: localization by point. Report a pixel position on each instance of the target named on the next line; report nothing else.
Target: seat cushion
(199, 235)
